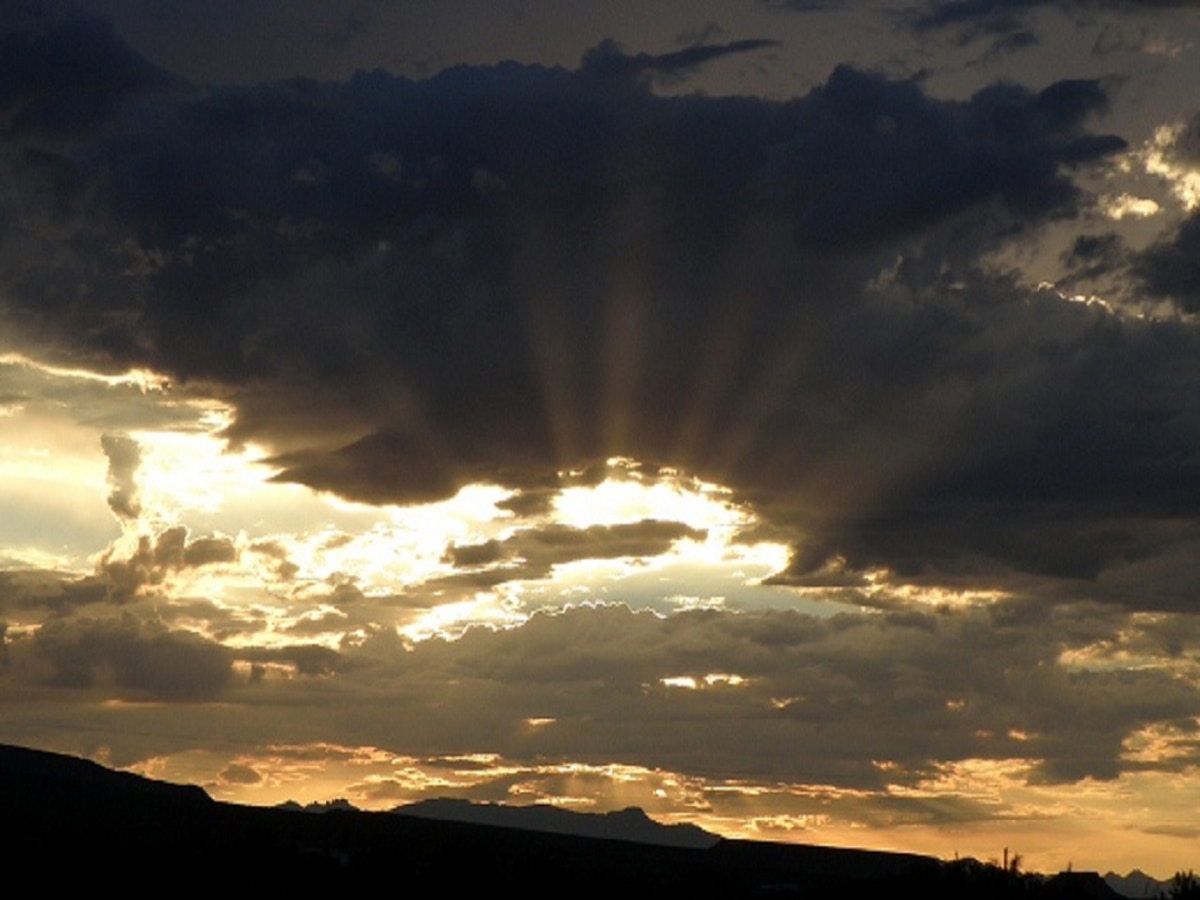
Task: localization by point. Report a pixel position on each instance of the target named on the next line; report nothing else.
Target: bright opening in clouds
(778, 416)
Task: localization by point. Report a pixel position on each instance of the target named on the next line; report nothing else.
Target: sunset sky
(780, 416)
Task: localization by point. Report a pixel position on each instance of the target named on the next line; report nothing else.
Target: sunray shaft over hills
(779, 417)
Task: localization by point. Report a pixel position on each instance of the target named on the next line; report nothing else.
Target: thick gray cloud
(136, 660)
(1171, 267)
(608, 60)
(501, 273)
(779, 697)
(157, 556)
(124, 457)
(1003, 16)
(511, 273)
(1168, 268)
(820, 701)
(64, 74)
(533, 552)
(27, 591)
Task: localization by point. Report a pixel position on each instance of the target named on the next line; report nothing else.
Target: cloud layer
(546, 279)
(499, 274)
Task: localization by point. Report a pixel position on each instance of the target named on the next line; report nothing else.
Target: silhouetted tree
(1184, 886)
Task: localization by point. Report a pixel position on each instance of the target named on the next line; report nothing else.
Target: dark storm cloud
(821, 701)
(32, 592)
(63, 73)
(556, 544)
(1053, 462)
(502, 273)
(1003, 16)
(1185, 149)
(307, 659)
(138, 660)
(218, 200)
(608, 60)
(1011, 43)
(988, 16)
(1170, 268)
(533, 552)
(475, 554)
(240, 774)
(1095, 254)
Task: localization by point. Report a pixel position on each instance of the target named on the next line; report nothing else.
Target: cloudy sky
(781, 416)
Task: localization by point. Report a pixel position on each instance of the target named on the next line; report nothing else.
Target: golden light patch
(1116, 655)
(982, 779)
(391, 547)
(711, 680)
(1156, 156)
(449, 620)
(1123, 206)
(629, 496)
(184, 472)
(1161, 742)
(681, 681)
(929, 596)
(14, 557)
(30, 460)
(144, 380)
(771, 826)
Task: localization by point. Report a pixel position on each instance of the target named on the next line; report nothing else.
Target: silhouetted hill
(71, 823)
(52, 779)
(1136, 884)
(630, 824)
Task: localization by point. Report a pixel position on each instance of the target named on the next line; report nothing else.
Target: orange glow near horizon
(1039, 817)
(292, 571)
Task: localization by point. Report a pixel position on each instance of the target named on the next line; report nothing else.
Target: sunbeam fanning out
(783, 418)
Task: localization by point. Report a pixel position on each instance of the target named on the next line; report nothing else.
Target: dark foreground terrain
(68, 821)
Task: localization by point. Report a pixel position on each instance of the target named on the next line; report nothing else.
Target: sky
(780, 416)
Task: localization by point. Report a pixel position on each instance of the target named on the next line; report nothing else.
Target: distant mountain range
(631, 824)
(69, 822)
(626, 825)
(1136, 884)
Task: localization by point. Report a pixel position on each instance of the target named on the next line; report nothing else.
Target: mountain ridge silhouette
(629, 824)
(82, 824)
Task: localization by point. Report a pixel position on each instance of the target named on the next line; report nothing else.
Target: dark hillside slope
(71, 822)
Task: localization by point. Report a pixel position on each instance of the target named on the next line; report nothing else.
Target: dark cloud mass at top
(1002, 16)
(930, 327)
(501, 273)
(608, 60)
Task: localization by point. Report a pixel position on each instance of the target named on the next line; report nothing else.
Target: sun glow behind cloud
(309, 570)
(186, 473)
(282, 543)
(979, 482)
(628, 495)
(1159, 159)
(896, 816)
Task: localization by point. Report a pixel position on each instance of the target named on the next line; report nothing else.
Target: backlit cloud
(571, 424)
(123, 459)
